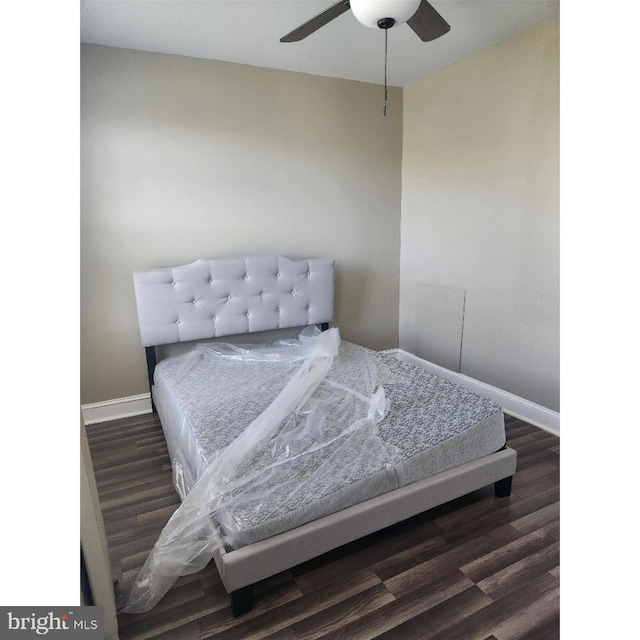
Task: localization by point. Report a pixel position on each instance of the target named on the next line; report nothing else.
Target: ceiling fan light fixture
(371, 13)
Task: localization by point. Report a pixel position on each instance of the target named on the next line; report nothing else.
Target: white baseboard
(115, 409)
(516, 406)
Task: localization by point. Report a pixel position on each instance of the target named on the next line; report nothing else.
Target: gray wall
(480, 217)
(185, 158)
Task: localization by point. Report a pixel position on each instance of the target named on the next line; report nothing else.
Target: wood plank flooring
(479, 567)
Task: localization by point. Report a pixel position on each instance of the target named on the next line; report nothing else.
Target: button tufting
(173, 283)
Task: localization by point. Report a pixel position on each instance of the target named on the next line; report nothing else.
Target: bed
(388, 440)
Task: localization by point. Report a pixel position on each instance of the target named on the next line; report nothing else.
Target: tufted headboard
(210, 298)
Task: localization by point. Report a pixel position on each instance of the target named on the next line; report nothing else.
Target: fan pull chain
(386, 34)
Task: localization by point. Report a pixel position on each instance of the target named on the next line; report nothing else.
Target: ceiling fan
(425, 21)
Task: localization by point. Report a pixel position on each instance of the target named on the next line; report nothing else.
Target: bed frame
(212, 298)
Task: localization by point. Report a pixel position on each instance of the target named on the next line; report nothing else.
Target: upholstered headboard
(210, 298)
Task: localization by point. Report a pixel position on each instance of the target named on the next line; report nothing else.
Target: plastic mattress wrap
(321, 423)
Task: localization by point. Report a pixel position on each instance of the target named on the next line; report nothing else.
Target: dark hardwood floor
(480, 567)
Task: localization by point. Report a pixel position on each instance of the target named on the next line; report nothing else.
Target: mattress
(430, 425)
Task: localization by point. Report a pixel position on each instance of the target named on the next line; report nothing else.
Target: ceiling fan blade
(316, 22)
(428, 23)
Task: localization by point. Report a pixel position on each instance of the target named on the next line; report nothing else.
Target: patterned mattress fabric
(430, 425)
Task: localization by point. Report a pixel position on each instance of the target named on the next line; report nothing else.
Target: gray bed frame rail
(213, 298)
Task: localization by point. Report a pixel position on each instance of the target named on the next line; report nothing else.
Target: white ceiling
(248, 32)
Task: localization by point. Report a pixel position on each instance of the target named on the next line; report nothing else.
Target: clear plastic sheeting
(317, 435)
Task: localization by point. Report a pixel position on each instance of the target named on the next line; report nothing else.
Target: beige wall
(480, 219)
(185, 158)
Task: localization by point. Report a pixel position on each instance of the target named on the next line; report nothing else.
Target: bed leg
(151, 365)
(503, 487)
(242, 600)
